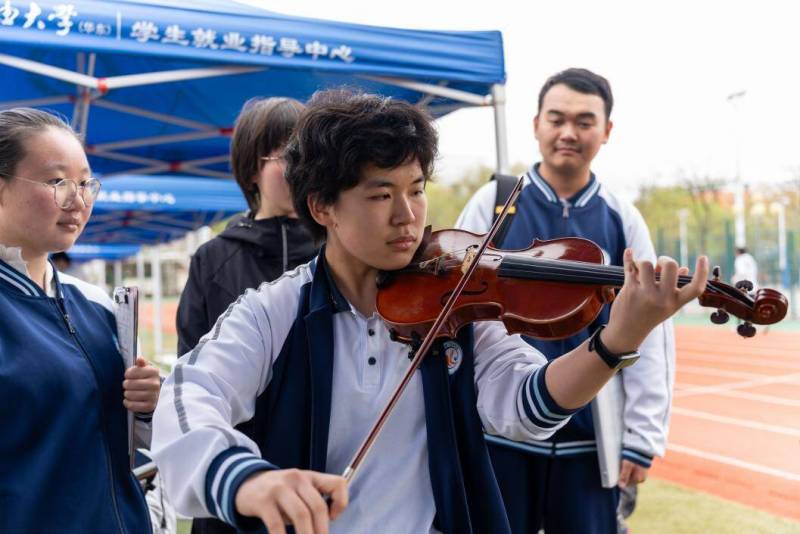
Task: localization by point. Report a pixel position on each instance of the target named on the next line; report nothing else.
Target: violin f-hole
(470, 292)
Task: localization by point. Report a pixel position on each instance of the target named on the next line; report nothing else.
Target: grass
(666, 508)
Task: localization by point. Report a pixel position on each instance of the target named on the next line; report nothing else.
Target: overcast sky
(671, 66)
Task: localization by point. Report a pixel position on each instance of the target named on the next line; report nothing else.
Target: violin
(551, 290)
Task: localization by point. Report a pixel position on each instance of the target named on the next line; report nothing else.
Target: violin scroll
(765, 307)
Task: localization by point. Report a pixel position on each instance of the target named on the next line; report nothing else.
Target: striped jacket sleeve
(513, 400)
(202, 458)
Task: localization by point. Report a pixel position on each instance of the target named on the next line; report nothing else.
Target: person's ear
(536, 127)
(320, 212)
(609, 126)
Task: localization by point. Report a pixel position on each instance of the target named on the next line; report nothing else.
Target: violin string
(611, 273)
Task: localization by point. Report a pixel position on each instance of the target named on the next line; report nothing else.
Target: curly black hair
(343, 131)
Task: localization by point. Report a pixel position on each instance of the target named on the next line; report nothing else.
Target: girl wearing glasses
(64, 391)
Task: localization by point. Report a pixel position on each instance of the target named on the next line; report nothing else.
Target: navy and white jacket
(597, 214)
(63, 455)
(310, 374)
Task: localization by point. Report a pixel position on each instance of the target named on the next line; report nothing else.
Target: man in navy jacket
(614, 440)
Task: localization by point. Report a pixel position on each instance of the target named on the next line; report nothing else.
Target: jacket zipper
(565, 206)
(285, 248)
(68, 323)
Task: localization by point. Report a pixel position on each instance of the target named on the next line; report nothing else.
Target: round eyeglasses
(65, 191)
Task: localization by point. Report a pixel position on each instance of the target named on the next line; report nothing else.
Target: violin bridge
(469, 257)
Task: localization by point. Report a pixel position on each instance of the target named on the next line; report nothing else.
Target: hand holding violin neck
(645, 302)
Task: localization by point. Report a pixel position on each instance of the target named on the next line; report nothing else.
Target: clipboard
(126, 312)
(608, 428)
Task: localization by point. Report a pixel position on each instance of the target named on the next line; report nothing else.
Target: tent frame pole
(436, 90)
(500, 128)
(102, 85)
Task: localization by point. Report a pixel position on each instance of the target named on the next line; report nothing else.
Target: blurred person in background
(64, 390)
(543, 482)
(256, 247)
(745, 267)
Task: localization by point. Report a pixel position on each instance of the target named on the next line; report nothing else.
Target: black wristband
(612, 360)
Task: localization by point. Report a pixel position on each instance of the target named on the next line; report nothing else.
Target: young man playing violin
(307, 360)
(562, 197)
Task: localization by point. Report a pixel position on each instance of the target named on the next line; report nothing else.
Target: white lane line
(713, 371)
(728, 460)
(754, 361)
(702, 390)
(742, 352)
(745, 423)
(769, 399)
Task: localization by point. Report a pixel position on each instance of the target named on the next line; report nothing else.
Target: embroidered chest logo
(453, 354)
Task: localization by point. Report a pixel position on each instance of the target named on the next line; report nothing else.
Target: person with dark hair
(260, 245)
(64, 388)
(254, 248)
(311, 363)
(609, 444)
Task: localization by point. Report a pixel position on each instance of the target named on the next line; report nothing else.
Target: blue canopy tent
(131, 211)
(147, 210)
(155, 86)
(107, 252)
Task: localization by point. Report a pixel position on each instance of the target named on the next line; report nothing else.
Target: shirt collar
(12, 256)
(338, 301)
(578, 200)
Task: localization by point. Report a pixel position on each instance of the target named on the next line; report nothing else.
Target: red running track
(735, 429)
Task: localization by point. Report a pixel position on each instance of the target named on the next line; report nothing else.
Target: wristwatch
(612, 360)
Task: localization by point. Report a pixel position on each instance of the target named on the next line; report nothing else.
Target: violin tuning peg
(744, 285)
(716, 272)
(720, 317)
(746, 329)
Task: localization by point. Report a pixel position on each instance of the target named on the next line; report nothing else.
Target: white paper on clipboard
(126, 312)
(127, 315)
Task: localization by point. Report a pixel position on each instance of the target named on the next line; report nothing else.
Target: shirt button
(372, 360)
(371, 332)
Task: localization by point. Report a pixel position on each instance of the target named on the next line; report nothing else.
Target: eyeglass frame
(273, 158)
(78, 187)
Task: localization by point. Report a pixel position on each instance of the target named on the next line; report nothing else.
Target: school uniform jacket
(63, 455)
(635, 406)
(291, 358)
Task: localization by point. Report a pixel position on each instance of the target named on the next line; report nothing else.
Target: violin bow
(350, 471)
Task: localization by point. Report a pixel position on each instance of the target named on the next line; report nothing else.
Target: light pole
(683, 215)
(779, 208)
(738, 205)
